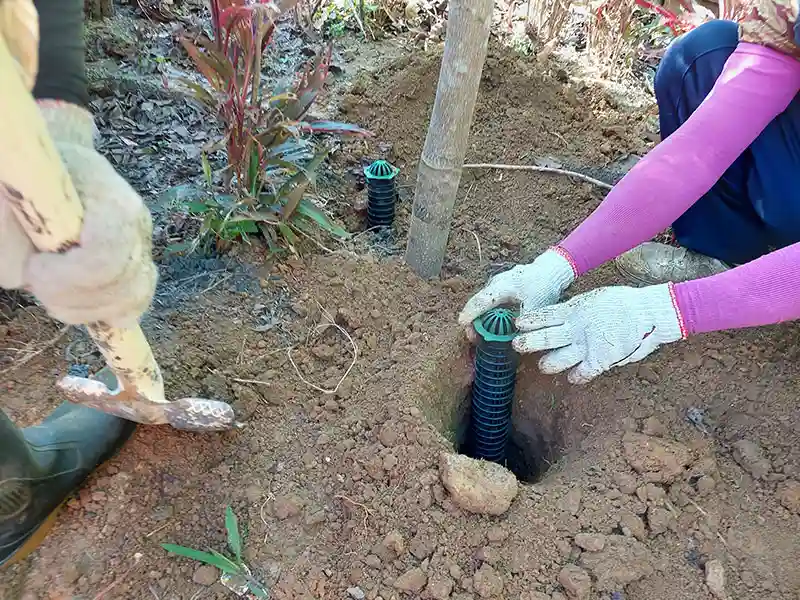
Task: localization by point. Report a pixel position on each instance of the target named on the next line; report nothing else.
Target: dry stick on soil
(446, 143)
(323, 326)
(538, 169)
(367, 511)
(48, 344)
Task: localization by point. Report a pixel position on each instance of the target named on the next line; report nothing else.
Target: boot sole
(35, 539)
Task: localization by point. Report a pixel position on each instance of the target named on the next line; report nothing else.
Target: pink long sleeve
(761, 292)
(756, 85)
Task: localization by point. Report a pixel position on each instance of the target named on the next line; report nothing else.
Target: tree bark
(439, 172)
(98, 9)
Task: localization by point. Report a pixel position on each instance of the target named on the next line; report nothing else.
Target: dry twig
(331, 323)
(48, 344)
(538, 169)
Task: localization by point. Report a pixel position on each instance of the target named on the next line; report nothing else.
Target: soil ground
(340, 493)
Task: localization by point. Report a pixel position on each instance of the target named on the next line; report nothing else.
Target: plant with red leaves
(269, 140)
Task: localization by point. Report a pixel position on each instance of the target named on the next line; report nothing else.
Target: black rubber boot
(41, 466)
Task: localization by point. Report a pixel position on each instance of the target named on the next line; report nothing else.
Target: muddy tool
(37, 187)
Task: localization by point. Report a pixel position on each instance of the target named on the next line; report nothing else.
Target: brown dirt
(342, 490)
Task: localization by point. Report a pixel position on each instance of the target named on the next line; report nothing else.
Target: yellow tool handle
(35, 183)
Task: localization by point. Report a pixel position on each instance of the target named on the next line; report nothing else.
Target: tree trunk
(439, 172)
(98, 9)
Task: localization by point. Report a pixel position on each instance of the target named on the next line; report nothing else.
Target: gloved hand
(601, 329)
(532, 286)
(109, 276)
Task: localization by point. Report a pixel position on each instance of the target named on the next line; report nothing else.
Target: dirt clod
(632, 525)
(654, 427)
(625, 482)
(591, 542)
(715, 579)
(411, 581)
(487, 582)
(478, 486)
(287, 507)
(751, 458)
(576, 582)
(205, 575)
(439, 587)
(622, 561)
(391, 547)
(788, 494)
(572, 501)
(660, 520)
(658, 460)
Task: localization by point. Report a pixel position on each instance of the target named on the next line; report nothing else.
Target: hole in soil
(532, 447)
(543, 428)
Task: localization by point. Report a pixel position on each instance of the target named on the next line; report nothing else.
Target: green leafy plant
(228, 565)
(272, 157)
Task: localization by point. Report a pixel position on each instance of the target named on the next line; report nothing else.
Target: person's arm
(756, 85)
(762, 292)
(62, 68)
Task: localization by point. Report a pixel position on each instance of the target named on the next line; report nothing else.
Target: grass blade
(232, 525)
(215, 559)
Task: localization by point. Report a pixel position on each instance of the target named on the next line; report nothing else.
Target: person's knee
(710, 38)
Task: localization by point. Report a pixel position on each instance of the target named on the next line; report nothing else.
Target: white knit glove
(531, 286)
(601, 329)
(109, 276)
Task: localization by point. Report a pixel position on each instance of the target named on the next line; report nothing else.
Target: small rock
(572, 501)
(788, 494)
(205, 575)
(356, 593)
(253, 493)
(439, 587)
(654, 427)
(576, 582)
(622, 561)
(412, 581)
(478, 486)
(591, 542)
(715, 579)
(488, 554)
(287, 506)
(625, 482)
(658, 460)
(373, 561)
(496, 535)
(632, 525)
(660, 520)
(705, 484)
(647, 373)
(487, 582)
(388, 436)
(391, 547)
(422, 545)
(751, 458)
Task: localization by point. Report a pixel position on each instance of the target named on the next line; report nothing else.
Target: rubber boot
(41, 466)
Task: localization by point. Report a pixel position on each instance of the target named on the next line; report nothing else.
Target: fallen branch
(592, 180)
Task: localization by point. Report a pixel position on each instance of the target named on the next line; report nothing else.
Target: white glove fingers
(585, 372)
(500, 290)
(560, 360)
(547, 316)
(548, 338)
